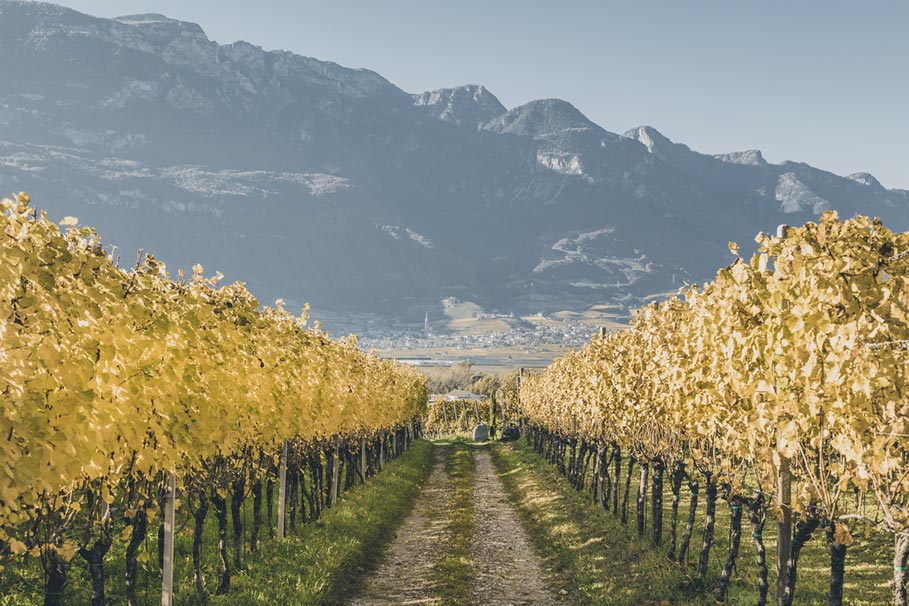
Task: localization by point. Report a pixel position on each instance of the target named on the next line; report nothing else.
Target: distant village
(569, 333)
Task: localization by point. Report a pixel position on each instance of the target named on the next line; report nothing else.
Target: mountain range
(318, 183)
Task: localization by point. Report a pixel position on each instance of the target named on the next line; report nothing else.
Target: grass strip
(598, 561)
(326, 562)
(453, 576)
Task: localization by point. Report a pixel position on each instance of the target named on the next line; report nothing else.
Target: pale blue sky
(823, 82)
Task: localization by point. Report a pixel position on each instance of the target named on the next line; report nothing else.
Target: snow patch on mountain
(573, 249)
(319, 184)
(565, 163)
(587, 248)
(216, 183)
(864, 179)
(21, 161)
(626, 270)
(397, 232)
(206, 182)
(795, 196)
(574, 244)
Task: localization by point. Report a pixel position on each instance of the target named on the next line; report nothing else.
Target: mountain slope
(320, 183)
(469, 105)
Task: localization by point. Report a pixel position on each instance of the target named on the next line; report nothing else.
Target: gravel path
(403, 576)
(508, 572)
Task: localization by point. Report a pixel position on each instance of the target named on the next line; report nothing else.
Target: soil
(403, 576)
(508, 571)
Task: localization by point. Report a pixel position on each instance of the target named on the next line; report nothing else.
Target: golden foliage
(109, 373)
(798, 354)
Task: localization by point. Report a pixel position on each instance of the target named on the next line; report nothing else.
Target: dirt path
(508, 572)
(403, 577)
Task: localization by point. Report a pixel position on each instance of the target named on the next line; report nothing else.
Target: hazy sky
(823, 82)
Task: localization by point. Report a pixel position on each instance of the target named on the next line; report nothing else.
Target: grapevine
(113, 378)
(789, 361)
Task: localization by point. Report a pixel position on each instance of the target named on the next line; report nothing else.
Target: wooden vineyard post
(282, 491)
(363, 457)
(167, 582)
(335, 465)
(518, 395)
(573, 471)
(784, 530)
(445, 414)
(597, 475)
(476, 411)
(784, 499)
(382, 453)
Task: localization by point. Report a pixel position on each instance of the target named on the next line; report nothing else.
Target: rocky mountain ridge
(320, 183)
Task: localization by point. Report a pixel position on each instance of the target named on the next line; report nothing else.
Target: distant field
(487, 359)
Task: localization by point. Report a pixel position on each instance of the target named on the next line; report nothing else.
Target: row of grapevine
(446, 417)
(115, 381)
(787, 372)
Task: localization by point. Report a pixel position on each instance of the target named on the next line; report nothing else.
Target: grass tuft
(453, 576)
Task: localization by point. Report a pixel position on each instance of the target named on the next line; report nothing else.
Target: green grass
(592, 556)
(603, 563)
(453, 576)
(321, 563)
(325, 563)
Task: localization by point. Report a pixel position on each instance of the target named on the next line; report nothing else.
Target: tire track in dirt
(508, 572)
(404, 575)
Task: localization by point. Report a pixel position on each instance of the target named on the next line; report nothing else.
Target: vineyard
(777, 391)
(131, 399)
(162, 431)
